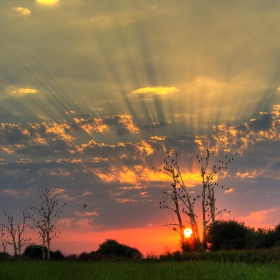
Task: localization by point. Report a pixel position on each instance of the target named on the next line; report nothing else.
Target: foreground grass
(54, 270)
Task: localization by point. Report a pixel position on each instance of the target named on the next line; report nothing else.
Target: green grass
(64, 270)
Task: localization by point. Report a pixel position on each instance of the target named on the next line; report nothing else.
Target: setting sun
(188, 232)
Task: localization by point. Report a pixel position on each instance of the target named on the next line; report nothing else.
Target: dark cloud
(263, 123)
(152, 127)
(12, 134)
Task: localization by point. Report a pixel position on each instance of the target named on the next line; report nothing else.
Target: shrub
(227, 235)
(57, 255)
(113, 249)
(34, 251)
(4, 256)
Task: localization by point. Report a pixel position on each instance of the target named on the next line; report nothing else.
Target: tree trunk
(49, 246)
(44, 245)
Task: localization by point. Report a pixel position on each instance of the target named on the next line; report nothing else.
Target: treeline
(108, 250)
(233, 235)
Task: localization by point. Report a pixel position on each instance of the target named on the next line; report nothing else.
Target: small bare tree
(208, 202)
(9, 230)
(181, 197)
(42, 219)
(4, 238)
(179, 193)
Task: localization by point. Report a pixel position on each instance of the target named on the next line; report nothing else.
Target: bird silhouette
(85, 205)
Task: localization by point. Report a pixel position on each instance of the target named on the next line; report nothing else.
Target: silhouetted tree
(183, 202)
(12, 234)
(178, 193)
(209, 210)
(42, 218)
(4, 238)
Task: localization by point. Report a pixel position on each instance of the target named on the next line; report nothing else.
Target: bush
(227, 235)
(57, 255)
(113, 249)
(34, 251)
(71, 257)
(4, 256)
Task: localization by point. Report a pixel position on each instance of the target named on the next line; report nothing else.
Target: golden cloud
(23, 91)
(229, 190)
(126, 121)
(23, 11)
(48, 2)
(156, 90)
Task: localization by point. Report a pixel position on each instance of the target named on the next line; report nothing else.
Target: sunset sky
(92, 94)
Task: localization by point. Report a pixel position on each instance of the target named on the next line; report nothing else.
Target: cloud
(207, 85)
(23, 91)
(153, 126)
(159, 90)
(256, 217)
(23, 11)
(264, 123)
(87, 214)
(48, 2)
(229, 190)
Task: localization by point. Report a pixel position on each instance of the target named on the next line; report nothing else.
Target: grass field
(64, 270)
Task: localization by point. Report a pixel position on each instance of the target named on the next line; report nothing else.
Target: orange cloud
(256, 217)
(248, 174)
(229, 190)
(7, 150)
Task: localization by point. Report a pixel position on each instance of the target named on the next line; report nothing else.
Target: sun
(188, 232)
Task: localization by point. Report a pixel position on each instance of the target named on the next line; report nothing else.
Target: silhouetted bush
(92, 256)
(57, 255)
(228, 235)
(34, 251)
(231, 235)
(264, 238)
(71, 257)
(247, 256)
(113, 249)
(4, 256)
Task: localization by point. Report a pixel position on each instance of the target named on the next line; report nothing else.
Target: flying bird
(85, 205)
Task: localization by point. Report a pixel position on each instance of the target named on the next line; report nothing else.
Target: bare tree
(4, 239)
(42, 219)
(9, 230)
(183, 202)
(179, 194)
(209, 210)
